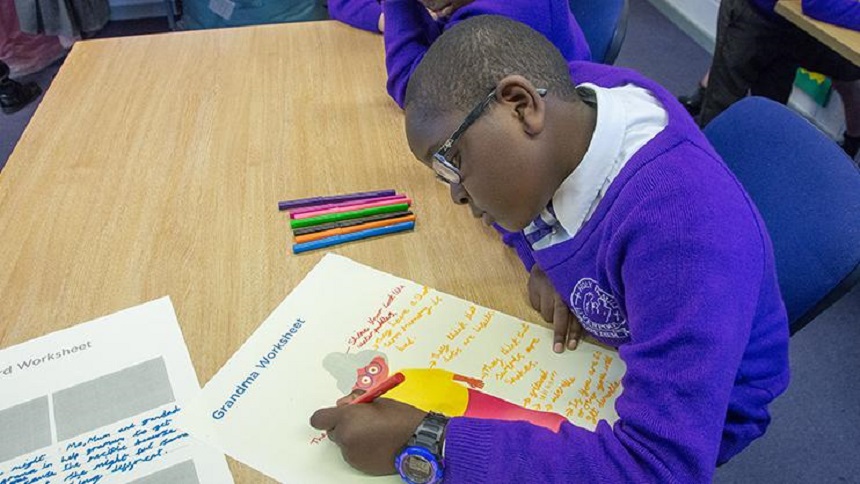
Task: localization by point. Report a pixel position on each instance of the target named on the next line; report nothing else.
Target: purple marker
(307, 202)
(315, 208)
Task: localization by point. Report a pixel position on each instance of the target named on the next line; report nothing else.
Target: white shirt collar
(628, 117)
(574, 200)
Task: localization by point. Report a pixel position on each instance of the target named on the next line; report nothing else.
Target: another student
(844, 13)
(15, 95)
(758, 51)
(361, 14)
(622, 208)
(69, 19)
(410, 30)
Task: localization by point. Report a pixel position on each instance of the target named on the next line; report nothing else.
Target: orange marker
(355, 228)
(382, 388)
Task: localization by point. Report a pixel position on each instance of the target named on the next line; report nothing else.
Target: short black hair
(467, 61)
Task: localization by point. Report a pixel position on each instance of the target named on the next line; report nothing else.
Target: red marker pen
(385, 386)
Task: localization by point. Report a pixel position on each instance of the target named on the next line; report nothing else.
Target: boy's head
(512, 88)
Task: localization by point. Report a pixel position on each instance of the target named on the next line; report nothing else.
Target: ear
(520, 96)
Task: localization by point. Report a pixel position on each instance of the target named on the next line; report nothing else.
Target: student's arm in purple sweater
(691, 281)
(362, 14)
(409, 31)
(518, 242)
(844, 13)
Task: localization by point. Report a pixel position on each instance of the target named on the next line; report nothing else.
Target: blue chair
(170, 10)
(604, 23)
(808, 192)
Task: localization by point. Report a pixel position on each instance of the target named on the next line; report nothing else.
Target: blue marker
(340, 239)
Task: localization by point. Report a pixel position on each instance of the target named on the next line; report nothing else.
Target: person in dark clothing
(758, 52)
(15, 95)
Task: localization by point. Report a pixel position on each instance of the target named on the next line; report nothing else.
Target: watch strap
(430, 433)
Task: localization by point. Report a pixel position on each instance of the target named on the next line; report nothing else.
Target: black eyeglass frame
(444, 168)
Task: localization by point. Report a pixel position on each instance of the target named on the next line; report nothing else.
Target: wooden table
(844, 41)
(154, 166)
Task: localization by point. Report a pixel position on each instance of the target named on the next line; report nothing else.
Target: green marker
(334, 217)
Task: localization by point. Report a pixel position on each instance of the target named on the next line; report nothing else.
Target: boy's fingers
(346, 400)
(547, 308)
(574, 332)
(325, 418)
(560, 325)
(534, 295)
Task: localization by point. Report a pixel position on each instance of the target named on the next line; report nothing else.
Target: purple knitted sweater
(675, 269)
(765, 6)
(362, 14)
(409, 31)
(845, 13)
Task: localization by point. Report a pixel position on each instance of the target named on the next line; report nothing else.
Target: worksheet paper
(347, 324)
(98, 402)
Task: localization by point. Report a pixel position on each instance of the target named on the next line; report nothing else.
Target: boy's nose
(458, 194)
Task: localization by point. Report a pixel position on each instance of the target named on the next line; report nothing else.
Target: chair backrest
(808, 192)
(604, 23)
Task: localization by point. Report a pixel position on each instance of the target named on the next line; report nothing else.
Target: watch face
(418, 469)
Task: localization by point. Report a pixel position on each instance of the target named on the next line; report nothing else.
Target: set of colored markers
(320, 222)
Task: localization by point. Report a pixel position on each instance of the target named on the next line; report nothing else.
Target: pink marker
(350, 203)
(350, 209)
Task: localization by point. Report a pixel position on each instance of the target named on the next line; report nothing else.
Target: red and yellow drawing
(430, 389)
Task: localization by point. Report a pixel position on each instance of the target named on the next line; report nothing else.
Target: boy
(620, 205)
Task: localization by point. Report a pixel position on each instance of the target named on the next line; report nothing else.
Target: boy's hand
(347, 399)
(553, 308)
(443, 8)
(370, 435)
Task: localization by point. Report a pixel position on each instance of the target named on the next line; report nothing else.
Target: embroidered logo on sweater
(598, 311)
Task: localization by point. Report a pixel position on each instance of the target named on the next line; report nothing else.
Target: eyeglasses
(445, 169)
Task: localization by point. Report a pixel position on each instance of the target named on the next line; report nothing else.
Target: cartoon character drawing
(371, 374)
(429, 389)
